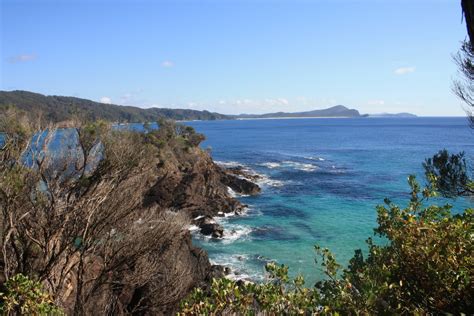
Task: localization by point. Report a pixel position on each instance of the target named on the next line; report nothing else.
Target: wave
(260, 179)
(239, 267)
(300, 166)
(290, 164)
(234, 194)
(315, 158)
(193, 228)
(267, 181)
(234, 232)
(270, 165)
(228, 164)
(231, 192)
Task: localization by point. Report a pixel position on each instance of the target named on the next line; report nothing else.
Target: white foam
(193, 228)
(231, 214)
(315, 158)
(270, 165)
(265, 180)
(231, 192)
(235, 232)
(234, 194)
(238, 267)
(300, 166)
(228, 163)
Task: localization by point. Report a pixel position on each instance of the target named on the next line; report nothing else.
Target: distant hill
(59, 108)
(335, 111)
(403, 114)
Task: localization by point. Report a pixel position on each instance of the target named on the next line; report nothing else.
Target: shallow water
(324, 178)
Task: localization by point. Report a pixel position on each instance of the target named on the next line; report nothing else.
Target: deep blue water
(324, 179)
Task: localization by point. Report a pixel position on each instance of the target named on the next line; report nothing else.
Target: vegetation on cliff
(60, 109)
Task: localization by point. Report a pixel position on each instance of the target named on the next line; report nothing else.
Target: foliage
(464, 87)
(427, 266)
(58, 109)
(26, 297)
(449, 174)
(277, 296)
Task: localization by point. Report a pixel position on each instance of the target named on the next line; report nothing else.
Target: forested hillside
(58, 108)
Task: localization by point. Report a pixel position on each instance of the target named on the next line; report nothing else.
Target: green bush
(26, 297)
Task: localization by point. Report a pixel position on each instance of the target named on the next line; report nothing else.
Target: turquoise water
(324, 178)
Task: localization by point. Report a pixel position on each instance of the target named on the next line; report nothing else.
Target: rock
(218, 271)
(197, 188)
(240, 185)
(203, 219)
(243, 173)
(208, 226)
(212, 229)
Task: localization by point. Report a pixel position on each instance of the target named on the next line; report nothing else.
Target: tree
(464, 87)
(449, 174)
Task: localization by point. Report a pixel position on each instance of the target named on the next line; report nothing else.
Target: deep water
(324, 180)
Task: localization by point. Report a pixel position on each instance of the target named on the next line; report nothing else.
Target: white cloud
(22, 58)
(106, 100)
(404, 70)
(283, 101)
(376, 102)
(167, 64)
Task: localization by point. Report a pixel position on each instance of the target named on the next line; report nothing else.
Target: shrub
(26, 297)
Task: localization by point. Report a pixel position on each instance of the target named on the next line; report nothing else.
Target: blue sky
(237, 56)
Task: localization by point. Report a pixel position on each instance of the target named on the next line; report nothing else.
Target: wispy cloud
(376, 102)
(106, 100)
(404, 70)
(22, 58)
(167, 64)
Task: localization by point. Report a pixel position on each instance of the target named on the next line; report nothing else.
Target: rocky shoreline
(204, 190)
(239, 181)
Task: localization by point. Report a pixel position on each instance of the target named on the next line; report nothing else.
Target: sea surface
(322, 181)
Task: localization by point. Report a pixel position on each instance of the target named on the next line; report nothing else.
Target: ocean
(322, 179)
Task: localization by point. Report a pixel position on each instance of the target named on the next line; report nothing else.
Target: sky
(237, 57)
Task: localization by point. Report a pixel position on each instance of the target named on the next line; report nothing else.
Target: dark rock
(218, 271)
(240, 283)
(204, 219)
(240, 185)
(243, 173)
(212, 229)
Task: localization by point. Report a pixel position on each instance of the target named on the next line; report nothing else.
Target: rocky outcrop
(240, 185)
(208, 226)
(212, 229)
(194, 184)
(242, 172)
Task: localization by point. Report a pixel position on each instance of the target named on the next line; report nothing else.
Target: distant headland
(61, 108)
